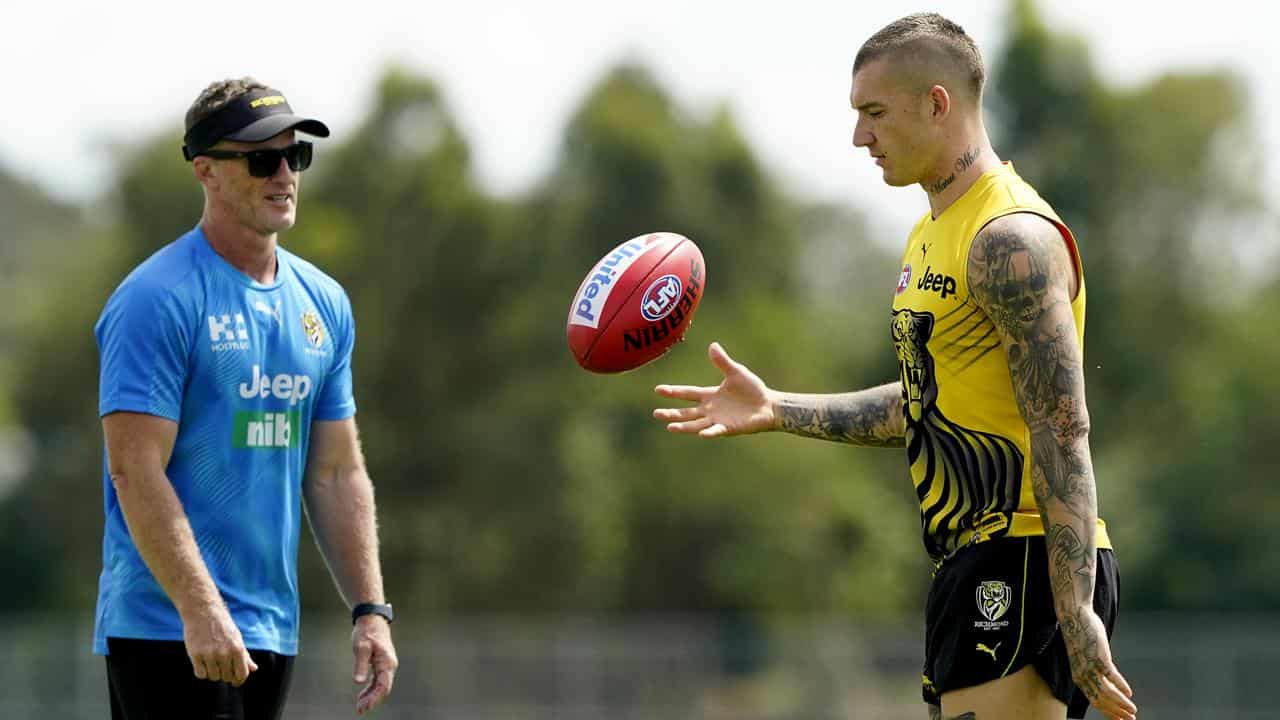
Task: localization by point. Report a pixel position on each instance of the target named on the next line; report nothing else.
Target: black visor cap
(253, 117)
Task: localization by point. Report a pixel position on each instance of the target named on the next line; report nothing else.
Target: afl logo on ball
(660, 299)
(904, 279)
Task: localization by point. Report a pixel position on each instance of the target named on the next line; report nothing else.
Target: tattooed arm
(871, 417)
(743, 404)
(1021, 275)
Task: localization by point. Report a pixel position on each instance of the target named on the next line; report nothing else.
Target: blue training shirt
(243, 368)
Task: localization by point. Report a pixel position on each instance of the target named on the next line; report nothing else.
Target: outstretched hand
(739, 405)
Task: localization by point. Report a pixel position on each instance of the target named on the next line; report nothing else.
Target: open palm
(739, 405)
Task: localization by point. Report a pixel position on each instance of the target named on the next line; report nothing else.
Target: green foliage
(52, 380)
(509, 479)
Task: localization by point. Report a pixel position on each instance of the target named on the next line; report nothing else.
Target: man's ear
(202, 168)
(939, 102)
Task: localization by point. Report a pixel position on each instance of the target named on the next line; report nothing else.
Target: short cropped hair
(929, 37)
(218, 94)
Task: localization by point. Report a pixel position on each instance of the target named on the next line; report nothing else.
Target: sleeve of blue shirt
(143, 339)
(337, 401)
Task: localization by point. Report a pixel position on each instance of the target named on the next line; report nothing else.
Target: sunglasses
(264, 163)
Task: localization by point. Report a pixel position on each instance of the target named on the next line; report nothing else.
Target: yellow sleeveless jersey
(967, 444)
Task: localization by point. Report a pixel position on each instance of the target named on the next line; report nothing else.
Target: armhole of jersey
(1074, 251)
(1067, 238)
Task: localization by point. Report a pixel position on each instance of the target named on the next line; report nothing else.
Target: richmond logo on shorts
(994, 598)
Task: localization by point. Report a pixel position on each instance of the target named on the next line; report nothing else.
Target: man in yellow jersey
(988, 323)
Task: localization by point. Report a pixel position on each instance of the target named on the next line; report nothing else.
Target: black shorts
(990, 613)
(153, 680)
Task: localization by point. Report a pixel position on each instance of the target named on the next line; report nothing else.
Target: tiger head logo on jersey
(314, 329)
(911, 333)
(993, 598)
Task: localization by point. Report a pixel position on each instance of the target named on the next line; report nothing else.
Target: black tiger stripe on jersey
(972, 474)
(955, 350)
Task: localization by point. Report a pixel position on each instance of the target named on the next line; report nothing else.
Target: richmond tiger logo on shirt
(313, 328)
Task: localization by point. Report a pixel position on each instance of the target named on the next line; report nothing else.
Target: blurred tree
(36, 229)
(49, 524)
(756, 523)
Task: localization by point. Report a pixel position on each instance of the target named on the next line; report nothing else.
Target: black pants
(153, 680)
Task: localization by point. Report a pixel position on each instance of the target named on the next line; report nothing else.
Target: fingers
(685, 392)
(1118, 708)
(727, 365)
(233, 668)
(205, 666)
(1115, 677)
(1117, 711)
(721, 359)
(384, 672)
(692, 426)
(373, 695)
(241, 665)
(363, 651)
(696, 393)
(219, 668)
(378, 690)
(1113, 697)
(678, 414)
(1125, 708)
(714, 431)
(215, 647)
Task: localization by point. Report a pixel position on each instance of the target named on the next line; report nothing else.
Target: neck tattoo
(963, 163)
(938, 187)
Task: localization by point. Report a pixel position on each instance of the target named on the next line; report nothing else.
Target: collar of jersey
(233, 272)
(1005, 167)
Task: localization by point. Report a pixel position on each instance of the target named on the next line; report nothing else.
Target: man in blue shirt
(226, 403)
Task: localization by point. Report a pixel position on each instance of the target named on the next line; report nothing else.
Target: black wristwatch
(363, 609)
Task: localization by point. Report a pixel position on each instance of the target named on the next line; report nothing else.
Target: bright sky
(84, 77)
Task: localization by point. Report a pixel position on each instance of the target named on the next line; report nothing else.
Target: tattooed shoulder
(1018, 263)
